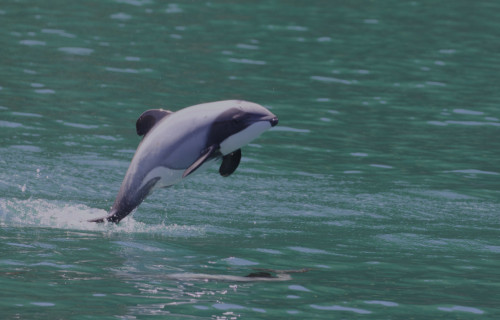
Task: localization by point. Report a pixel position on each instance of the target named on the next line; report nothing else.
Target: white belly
(169, 177)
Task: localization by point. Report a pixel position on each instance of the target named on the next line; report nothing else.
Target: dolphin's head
(239, 124)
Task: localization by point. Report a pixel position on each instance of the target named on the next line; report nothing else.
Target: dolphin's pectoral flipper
(148, 119)
(229, 163)
(207, 154)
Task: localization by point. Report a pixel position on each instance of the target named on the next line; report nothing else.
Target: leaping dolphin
(176, 144)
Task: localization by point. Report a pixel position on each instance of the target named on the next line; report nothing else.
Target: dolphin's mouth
(273, 120)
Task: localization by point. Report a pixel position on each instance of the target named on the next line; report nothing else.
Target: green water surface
(382, 178)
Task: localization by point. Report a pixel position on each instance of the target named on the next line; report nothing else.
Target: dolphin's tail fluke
(98, 220)
(113, 216)
(125, 203)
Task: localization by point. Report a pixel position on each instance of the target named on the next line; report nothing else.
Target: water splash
(45, 213)
(62, 215)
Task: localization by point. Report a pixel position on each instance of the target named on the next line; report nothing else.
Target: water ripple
(78, 125)
(340, 308)
(9, 124)
(27, 114)
(121, 16)
(474, 171)
(297, 287)
(227, 306)
(173, 8)
(28, 148)
(289, 129)
(468, 112)
(383, 303)
(240, 262)
(247, 61)
(270, 251)
(30, 42)
(43, 304)
(122, 70)
(247, 46)
(332, 80)
(45, 91)
(383, 166)
(309, 250)
(464, 123)
(76, 50)
(59, 32)
(137, 3)
(461, 309)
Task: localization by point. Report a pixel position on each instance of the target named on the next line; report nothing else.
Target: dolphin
(261, 275)
(177, 144)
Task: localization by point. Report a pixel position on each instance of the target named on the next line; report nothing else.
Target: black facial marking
(226, 124)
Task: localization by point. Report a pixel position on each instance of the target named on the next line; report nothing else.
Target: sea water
(381, 180)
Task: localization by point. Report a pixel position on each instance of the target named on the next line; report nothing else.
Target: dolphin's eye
(239, 119)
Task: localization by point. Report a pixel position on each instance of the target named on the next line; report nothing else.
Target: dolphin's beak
(274, 121)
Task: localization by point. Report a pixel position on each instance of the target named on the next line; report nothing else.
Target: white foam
(62, 215)
(45, 213)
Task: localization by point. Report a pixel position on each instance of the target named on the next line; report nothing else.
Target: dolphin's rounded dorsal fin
(148, 119)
